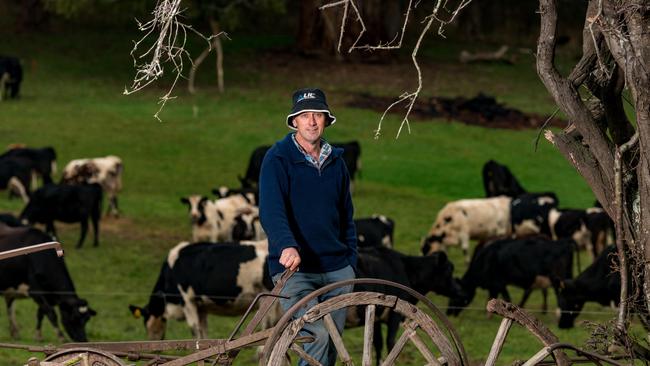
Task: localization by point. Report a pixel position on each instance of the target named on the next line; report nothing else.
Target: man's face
(310, 126)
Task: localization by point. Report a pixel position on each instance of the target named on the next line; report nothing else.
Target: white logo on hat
(307, 96)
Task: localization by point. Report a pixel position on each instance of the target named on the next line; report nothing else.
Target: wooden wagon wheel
(417, 324)
(85, 357)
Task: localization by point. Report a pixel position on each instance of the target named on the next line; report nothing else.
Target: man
(306, 212)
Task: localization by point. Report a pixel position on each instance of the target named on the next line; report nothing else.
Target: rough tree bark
(616, 56)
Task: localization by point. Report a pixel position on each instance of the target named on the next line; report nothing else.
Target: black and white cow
(252, 193)
(42, 160)
(433, 273)
(351, 156)
(569, 223)
(215, 221)
(601, 228)
(529, 213)
(247, 225)
(44, 277)
(15, 176)
(600, 283)
(107, 171)
(526, 263)
(66, 203)
(460, 221)
(375, 231)
(499, 181)
(11, 75)
(201, 278)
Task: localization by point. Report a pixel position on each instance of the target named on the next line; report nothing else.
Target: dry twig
(396, 43)
(169, 47)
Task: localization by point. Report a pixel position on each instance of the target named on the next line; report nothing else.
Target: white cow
(461, 221)
(106, 171)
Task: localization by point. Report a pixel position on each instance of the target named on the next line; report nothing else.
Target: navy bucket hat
(310, 100)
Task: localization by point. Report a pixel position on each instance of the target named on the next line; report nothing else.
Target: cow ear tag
(137, 313)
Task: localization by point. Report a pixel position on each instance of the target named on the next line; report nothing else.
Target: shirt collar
(325, 152)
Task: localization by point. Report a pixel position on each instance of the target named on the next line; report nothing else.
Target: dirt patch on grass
(481, 110)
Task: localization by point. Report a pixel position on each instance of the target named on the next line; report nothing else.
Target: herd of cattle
(524, 239)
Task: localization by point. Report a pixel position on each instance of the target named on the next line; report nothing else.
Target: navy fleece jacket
(307, 208)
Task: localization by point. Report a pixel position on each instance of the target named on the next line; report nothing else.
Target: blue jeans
(299, 286)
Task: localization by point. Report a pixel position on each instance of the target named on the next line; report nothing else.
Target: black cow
(375, 231)
(529, 213)
(201, 278)
(42, 160)
(66, 203)
(10, 220)
(526, 263)
(15, 176)
(423, 274)
(498, 181)
(600, 282)
(44, 277)
(252, 177)
(351, 156)
(11, 75)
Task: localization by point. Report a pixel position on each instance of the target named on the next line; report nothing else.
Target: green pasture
(72, 100)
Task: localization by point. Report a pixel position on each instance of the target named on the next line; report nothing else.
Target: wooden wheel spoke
(368, 334)
(409, 330)
(500, 338)
(337, 340)
(302, 354)
(420, 329)
(424, 350)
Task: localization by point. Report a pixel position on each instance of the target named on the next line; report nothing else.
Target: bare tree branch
(396, 43)
(168, 47)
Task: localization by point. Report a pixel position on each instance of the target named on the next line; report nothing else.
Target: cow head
(463, 297)
(441, 280)
(196, 205)
(221, 192)
(570, 303)
(244, 227)
(433, 243)
(75, 313)
(154, 323)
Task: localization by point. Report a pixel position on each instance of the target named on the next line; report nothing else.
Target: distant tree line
(315, 31)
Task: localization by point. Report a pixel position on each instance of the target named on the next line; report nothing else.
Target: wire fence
(146, 295)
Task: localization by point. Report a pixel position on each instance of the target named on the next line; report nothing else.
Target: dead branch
(168, 47)
(396, 43)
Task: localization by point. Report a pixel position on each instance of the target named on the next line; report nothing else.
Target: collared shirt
(325, 151)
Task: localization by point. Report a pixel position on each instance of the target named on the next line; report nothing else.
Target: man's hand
(290, 258)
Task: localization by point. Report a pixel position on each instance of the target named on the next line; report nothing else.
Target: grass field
(72, 100)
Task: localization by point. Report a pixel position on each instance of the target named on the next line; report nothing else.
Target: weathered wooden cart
(424, 326)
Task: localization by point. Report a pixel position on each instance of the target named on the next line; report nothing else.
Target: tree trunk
(216, 42)
(616, 53)
(195, 65)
